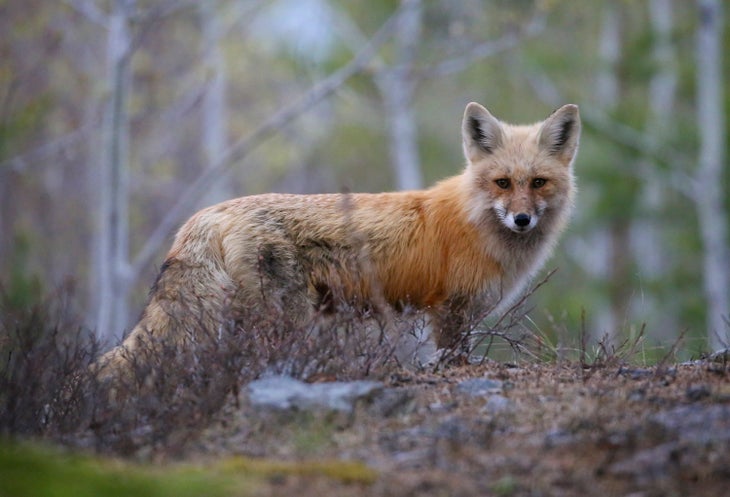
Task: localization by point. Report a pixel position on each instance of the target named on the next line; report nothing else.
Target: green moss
(343, 471)
(33, 470)
(507, 485)
(27, 469)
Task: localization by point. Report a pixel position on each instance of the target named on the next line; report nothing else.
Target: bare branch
(486, 49)
(621, 133)
(243, 147)
(240, 11)
(61, 145)
(89, 10)
(352, 36)
(161, 10)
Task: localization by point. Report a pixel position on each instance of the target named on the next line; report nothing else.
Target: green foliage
(356, 158)
(21, 123)
(506, 486)
(23, 289)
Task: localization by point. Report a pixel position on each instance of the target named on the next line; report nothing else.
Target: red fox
(470, 240)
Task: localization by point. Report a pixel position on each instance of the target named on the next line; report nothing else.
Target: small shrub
(169, 390)
(42, 346)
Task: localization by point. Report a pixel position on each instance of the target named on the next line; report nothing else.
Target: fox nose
(522, 219)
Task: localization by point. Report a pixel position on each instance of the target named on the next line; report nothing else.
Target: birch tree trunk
(397, 86)
(113, 245)
(709, 195)
(663, 85)
(646, 235)
(608, 91)
(609, 52)
(215, 122)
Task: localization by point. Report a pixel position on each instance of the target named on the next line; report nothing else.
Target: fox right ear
(560, 133)
(481, 132)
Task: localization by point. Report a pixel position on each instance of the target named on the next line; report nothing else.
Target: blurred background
(120, 118)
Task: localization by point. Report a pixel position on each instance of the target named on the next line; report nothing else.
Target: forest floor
(531, 428)
(190, 422)
(495, 429)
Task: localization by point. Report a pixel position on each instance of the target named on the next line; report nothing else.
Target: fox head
(520, 176)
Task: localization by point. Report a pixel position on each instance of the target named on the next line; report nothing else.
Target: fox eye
(503, 183)
(538, 182)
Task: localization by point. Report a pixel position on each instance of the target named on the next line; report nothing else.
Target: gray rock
(392, 401)
(478, 387)
(695, 423)
(284, 393)
(558, 438)
(688, 441)
(497, 403)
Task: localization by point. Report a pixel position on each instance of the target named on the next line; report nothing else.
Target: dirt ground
(532, 430)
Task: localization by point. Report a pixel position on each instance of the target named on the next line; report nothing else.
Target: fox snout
(520, 222)
(518, 219)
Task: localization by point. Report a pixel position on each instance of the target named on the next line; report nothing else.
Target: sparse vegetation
(597, 421)
(48, 387)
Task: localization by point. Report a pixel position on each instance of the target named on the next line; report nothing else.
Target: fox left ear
(560, 133)
(480, 131)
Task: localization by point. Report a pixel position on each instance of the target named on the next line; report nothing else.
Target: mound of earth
(492, 429)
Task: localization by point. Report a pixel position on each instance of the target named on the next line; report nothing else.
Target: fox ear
(481, 132)
(560, 133)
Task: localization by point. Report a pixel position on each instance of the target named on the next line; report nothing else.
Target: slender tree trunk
(113, 246)
(608, 90)
(609, 52)
(663, 85)
(215, 121)
(397, 86)
(646, 234)
(709, 195)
